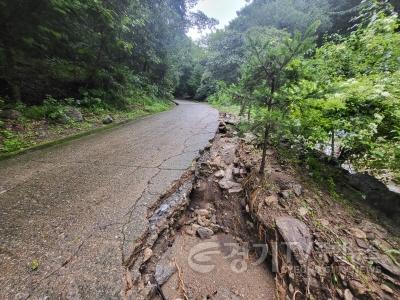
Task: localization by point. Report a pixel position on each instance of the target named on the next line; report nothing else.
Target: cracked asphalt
(74, 211)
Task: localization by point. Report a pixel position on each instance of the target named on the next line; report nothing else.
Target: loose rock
(297, 189)
(205, 233)
(286, 194)
(358, 233)
(108, 120)
(147, 254)
(297, 236)
(74, 114)
(271, 200)
(348, 295)
(220, 174)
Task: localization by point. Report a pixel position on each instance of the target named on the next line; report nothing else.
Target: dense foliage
(95, 50)
(340, 94)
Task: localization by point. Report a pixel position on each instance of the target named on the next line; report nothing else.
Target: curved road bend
(68, 204)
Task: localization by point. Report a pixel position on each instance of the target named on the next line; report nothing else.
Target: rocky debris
(220, 174)
(297, 237)
(286, 194)
(74, 114)
(297, 189)
(348, 295)
(204, 232)
(108, 120)
(10, 114)
(315, 240)
(147, 254)
(202, 212)
(230, 119)
(303, 211)
(165, 268)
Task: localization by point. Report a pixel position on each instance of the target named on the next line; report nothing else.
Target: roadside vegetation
(68, 66)
(321, 75)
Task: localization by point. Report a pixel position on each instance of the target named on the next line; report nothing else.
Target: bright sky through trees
(222, 10)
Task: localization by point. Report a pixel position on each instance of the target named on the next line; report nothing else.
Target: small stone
(227, 184)
(348, 295)
(271, 200)
(164, 272)
(235, 189)
(189, 231)
(297, 189)
(202, 212)
(371, 236)
(303, 211)
(195, 227)
(220, 174)
(147, 254)
(358, 233)
(286, 194)
(386, 289)
(205, 233)
(362, 243)
(324, 222)
(108, 120)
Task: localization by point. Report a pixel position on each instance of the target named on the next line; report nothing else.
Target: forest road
(70, 214)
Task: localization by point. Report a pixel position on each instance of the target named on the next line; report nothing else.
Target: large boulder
(377, 194)
(10, 114)
(74, 114)
(297, 237)
(62, 119)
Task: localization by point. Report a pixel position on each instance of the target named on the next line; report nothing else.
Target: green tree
(270, 55)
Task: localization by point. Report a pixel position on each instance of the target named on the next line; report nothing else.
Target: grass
(24, 134)
(226, 108)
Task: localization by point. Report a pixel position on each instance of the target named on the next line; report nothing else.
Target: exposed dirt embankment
(226, 233)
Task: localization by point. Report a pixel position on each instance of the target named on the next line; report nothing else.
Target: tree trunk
(269, 102)
(242, 107)
(12, 76)
(332, 144)
(264, 149)
(249, 113)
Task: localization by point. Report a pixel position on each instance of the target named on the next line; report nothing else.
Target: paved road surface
(83, 204)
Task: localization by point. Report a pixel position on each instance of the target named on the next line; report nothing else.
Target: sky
(222, 10)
